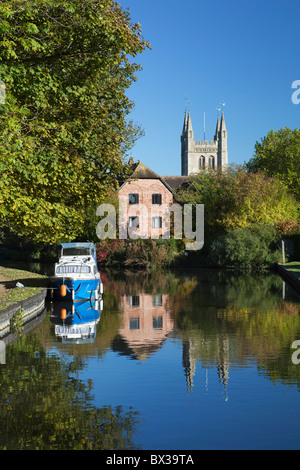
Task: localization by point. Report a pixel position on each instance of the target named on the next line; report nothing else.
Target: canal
(199, 360)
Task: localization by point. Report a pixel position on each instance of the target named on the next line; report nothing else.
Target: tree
(278, 154)
(237, 199)
(246, 248)
(63, 127)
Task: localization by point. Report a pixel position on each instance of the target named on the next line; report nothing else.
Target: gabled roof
(141, 171)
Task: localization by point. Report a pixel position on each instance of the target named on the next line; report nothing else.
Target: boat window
(75, 251)
(73, 269)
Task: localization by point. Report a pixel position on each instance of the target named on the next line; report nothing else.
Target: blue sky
(244, 53)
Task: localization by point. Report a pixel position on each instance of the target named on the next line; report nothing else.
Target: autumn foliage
(237, 198)
(63, 127)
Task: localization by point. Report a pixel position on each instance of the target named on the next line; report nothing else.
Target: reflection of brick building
(146, 322)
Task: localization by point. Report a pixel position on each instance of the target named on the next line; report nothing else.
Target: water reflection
(145, 324)
(44, 404)
(222, 320)
(76, 322)
(150, 369)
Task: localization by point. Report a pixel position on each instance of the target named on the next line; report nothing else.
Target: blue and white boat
(76, 275)
(76, 322)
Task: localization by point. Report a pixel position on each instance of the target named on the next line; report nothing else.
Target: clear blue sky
(245, 53)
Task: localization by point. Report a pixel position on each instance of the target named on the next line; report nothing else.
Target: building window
(134, 222)
(156, 199)
(211, 162)
(157, 323)
(134, 323)
(133, 199)
(201, 163)
(134, 300)
(157, 300)
(156, 222)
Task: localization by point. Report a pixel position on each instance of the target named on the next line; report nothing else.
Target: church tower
(200, 155)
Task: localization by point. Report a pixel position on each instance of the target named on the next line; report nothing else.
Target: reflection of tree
(229, 318)
(44, 405)
(158, 282)
(224, 317)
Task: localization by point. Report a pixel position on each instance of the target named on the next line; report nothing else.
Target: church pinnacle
(223, 125)
(201, 155)
(217, 129)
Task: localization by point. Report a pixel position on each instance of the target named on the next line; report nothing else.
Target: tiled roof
(141, 171)
(175, 181)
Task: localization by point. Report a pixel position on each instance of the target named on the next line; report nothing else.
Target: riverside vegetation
(65, 125)
(246, 214)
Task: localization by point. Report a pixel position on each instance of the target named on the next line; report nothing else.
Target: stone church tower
(199, 155)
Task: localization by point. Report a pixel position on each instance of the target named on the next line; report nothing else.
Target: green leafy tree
(246, 248)
(64, 129)
(238, 199)
(278, 154)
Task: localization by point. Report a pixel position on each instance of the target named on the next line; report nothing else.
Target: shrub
(288, 227)
(138, 254)
(238, 199)
(246, 248)
(110, 252)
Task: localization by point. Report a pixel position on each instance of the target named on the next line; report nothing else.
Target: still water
(173, 361)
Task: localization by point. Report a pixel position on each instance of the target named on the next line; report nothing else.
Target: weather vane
(187, 105)
(221, 107)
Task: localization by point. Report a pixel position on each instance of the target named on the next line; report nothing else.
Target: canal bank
(22, 297)
(13, 317)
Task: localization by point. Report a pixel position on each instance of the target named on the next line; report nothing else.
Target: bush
(246, 248)
(110, 252)
(238, 199)
(288, 227)
(138, 254)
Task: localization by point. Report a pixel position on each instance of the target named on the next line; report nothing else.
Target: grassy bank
(293, 266)
(9, 293)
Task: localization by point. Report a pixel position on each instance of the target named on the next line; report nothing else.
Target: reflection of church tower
(223, 363)
(189, 363)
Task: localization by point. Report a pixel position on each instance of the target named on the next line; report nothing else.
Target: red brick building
(145, 198)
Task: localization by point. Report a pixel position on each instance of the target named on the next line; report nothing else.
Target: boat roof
(78, 245)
